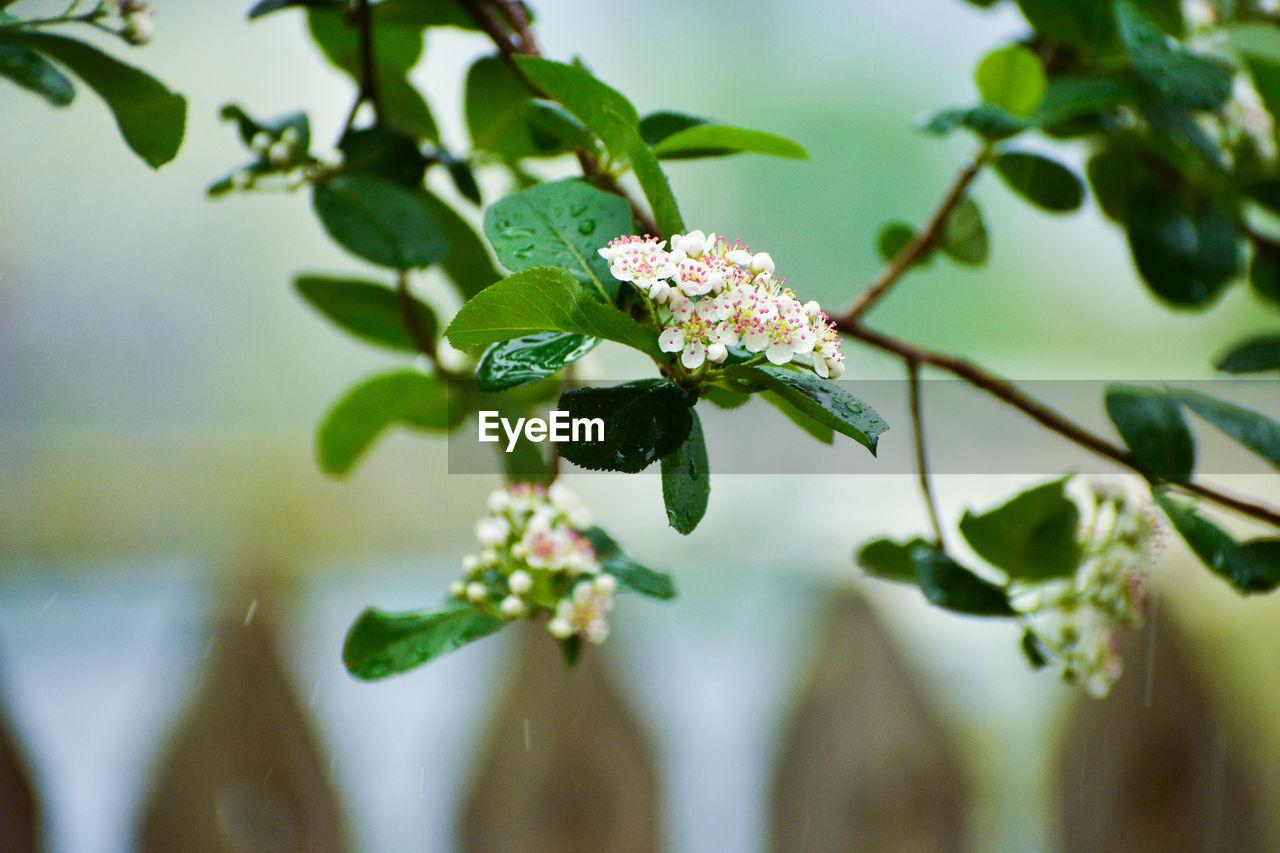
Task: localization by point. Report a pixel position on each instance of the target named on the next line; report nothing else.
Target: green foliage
(32, 71)
(653, 181)
(367, 310)
(657, 126)
(686, 480)
(378, 220)
(893, 238)
(595, 104)
(1152, 426)
(466, 262)
(631, 575)
(964, 235)
(402, 396)
(543, 299)
(644, 421)
(385, 151)
(820, 432)
(1255, 431)
(944, 582)
(1251, 567)
(1175, 73)
(266, 7)
(891, 561)
(504, 118)
(560, 224)
(717, 140)
(381, 644)
(1083, 24)
(1031, 537)
(152, 119)
(1252, 356)
(1264, 271)
(1041, 181)
(531, 358)
(820, 399)
(1012, 79)
(1186, 253)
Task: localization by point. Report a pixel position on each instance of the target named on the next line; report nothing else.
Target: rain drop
(577, 210)
(586, 226)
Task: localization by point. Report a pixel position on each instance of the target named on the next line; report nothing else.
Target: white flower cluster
(711, 295)
(1075, 620)
(535, 559)
(138, 19)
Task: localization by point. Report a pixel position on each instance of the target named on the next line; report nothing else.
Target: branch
(922, 460)
(1009, 393)
(363, 19)
(920, 244)
(412, 322)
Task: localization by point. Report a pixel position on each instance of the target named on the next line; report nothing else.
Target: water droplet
(853, 407)
(586, 226)
(524, 251)
(577, 210)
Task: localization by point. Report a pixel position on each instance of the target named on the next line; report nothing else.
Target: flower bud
(477, 592)
(458, 590)
(582, 592)
(261, 142)
(512, 607)
(499, 501)
(520, 582)
(560, 628)
(605, 584)
(279, 154)
(290, 136)
(761, 262)
(471, 564)
(717, 353)
(835, 369)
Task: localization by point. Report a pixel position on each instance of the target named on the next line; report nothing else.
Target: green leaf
(1178, 75)
(1186, 255)
(531, 358)
(1082, 24)
(32, 71)
(657, 126)
(630, 574)
(367, 310)
(894, 237)
(380, 644)
(467, 262)
(724, 398)
(377, 220)
(990, 123)
(426, 13)
(1252, 356)
(543, 299)
(1152, 426)
(643, 421)
(1041, 181)
(582, 94)
(402, 396)
(561, 224)
(1250, 568)
(1013, 79)
(1255, 431)
(151, 118)
(385, 151)
(964, 235)
(1264, 271)
(1032, 537)
(653, 181)
(686, 481)
(497, 106)
(820, 399)
(891, 561)
(1071, 97)
(1122, 179)
(716, 140)
(951, 586)
(820, 432)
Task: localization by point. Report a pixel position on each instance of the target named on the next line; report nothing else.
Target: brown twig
(412, 321)
(362, 16)
(922, 459)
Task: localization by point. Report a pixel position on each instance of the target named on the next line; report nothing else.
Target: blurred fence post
(564, 766)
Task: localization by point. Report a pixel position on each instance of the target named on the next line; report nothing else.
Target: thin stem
(922, 459)
(363, 19)
(1009, 393)
(920, 244)
(412, 320)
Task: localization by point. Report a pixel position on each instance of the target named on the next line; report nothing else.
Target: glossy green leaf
(1083, 24)
(643, 421)
(382, 644)
(426, 13)
(32, 71)
(400, 397)
(1031, 537)
(820, 399)
(1184, 78)
(1252, 356)
(894, 237)
(890, 560)
(657, 126)
(543, 299)
(631, 575)
(1071, 97)
(716, 140)
(1186, 256)
(367, 310)
(1041, 181)
(561, 224)
(964, 235)
(467, 262)
(1251, 567)
(1122, 181)
(529, 359)
(951, 586)
(593, 102)
(989, 122)
(666, 213)
(378, 220)
(724, 398)
(1255, 431)
(1264, 271)
(385, 151)
(497, 106)
(1012, 79)
(1153, 428)
(686, 481)
(151, 118)
(820, 432)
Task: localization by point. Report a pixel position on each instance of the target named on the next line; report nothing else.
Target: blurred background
(176, 575)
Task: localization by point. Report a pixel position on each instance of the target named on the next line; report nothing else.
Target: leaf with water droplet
(380, 644)
(686, 486)
(587, 226)
(820, 399)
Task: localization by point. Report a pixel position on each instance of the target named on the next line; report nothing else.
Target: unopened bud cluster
(280, 152)
(1075, 620)
(535, 559)
(711, 295)
(138, 21)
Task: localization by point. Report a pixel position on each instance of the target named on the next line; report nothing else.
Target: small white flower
(279, 154)
(586, 611)
(605, 583)
(477, 592)
(692, 327)
(512, 607)
(499, 501)
(693, 244)
(492, 532)
(458, 590)
(568, 503)
(261, 142)
(520, 582)
(741, 257)
(784, 335)
(642, 262)
(471, 564)
(695, 277)
(560, 628)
